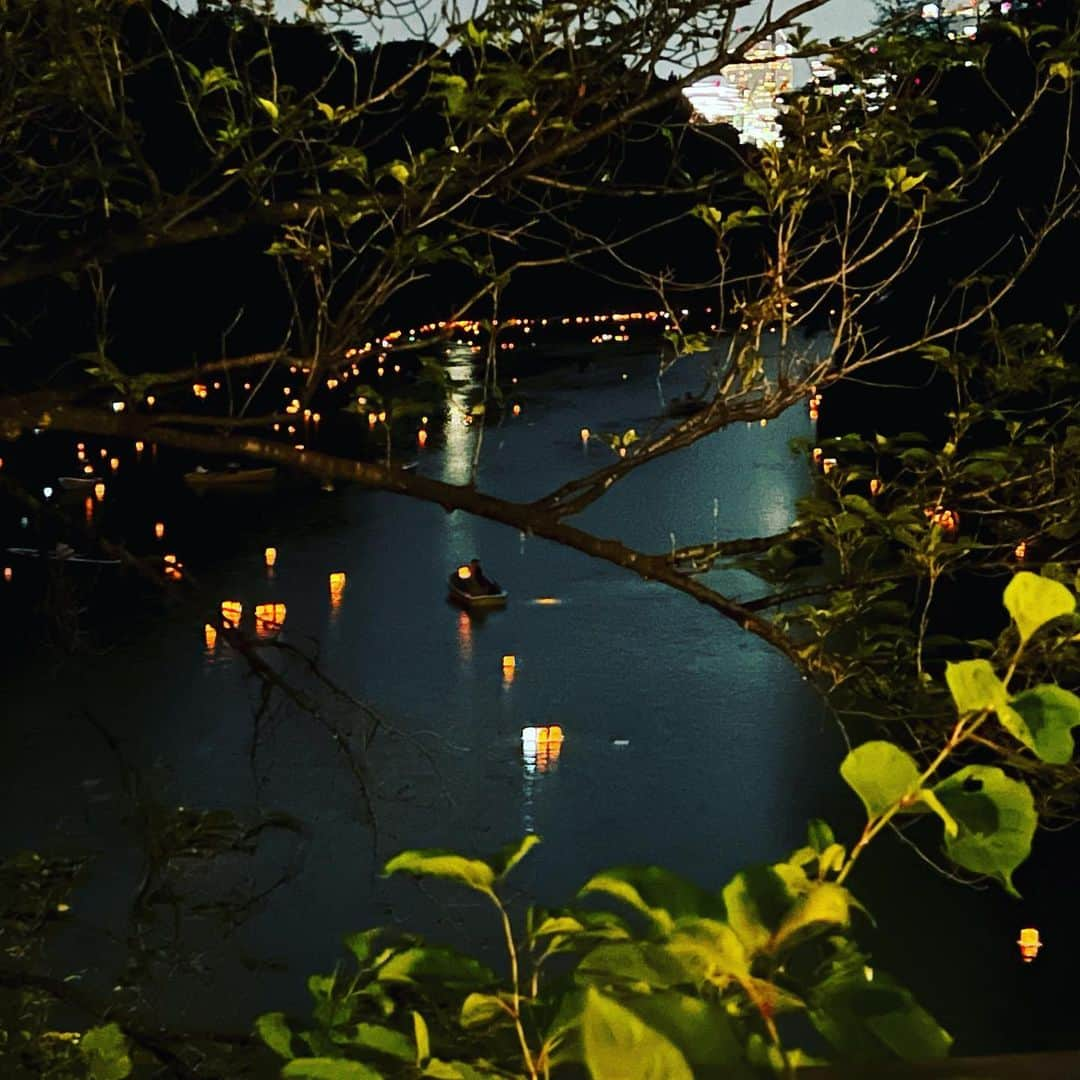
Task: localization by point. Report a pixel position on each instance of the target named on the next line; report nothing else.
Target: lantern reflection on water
(231, 612)
(337, 589)
(541, 746)
(269, 618)
(1029, 944)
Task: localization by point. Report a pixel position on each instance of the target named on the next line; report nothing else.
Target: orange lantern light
(159, 530)
(88, 508)
(231, 612)
(140, 446)
(210, 636)
(114, 463)
(7, 573)
(150, 399)
(1029, 943)
(270, 555)
(828, 464)
(464, 572)
(517, 410)
(509, 662)
(421, 437)
(269, 618)
(816, 455)
(1020, 551)
(99, 491)
(585, 433)
(88, 470)
(169, 560)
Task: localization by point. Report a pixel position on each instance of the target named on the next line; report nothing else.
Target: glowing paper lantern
(7, 573)
(1029, 944)
(114, 463)
(139, 446)
(517, 410)
(117, 406)
(585, 433)
(210, 636)
(270, 555)
(231, 612)
(99, 491)
(150, 400)
(269, 618)
(421, 437)
(159, 530)
(464, 572)
(509, 662)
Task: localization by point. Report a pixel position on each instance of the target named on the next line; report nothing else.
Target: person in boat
(479, 581)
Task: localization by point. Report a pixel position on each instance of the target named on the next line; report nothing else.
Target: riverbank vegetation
(201, 209)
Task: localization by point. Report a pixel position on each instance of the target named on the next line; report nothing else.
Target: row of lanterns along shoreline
(269, 617)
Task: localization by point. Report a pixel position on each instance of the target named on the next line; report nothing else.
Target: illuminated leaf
(658, 894)
(269, 107)
(327, 1068)
(105, 1050)
(620, 1044)
(928, 796)
(434, 965)
(1049, 713)
(996, 819)
(448, 865)
(326, 110)
(827, 905)
(274, 1031)
(881, 774)
(1033, 601)
(423, 1039)
(710, 949)
(875, 1020)
(384, 1040)
(974, 686)
(757, 901)
(481, 1010)
(704, 1032)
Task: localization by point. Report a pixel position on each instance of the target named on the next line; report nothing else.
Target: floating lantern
(421, 437)
(210, 636)
(269, 618)
(517, 410)
(876, 485)
(199, 390)
(1029, 944)
(169, 560)
(331, 384)
(104, 452)
(371, 418)
(231, 611)
(287, 391)
(247, 386)
(382, 417)
(99, 491)
(270, 556)
(828, 464)
(47, 492)
(764, 421)
(217, 386)
(114, 463)
(80, 446)
(1020, 551)
(81, 455)
(88, 470)
(159, 530)
(585, 433)
(117, 406)
(337, 582)
(464, 572)
(140, 446)
(547, 601)
(150, 400)
(509, 662)
(7, 573)
(423, 419)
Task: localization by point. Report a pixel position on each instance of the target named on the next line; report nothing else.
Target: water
(687, 741)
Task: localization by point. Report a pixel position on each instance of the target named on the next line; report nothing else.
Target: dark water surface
(688, 742)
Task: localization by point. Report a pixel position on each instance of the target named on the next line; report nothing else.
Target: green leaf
(326, 110)
(105, 1049)
(934, 803)
(435, 965)
(974, 686)
(384, 1040)
(826, 905)
(400, 172)
(269, 107)
(274, 1031)
(880, 773)
(710, 950)
(326, 1068)
(875, 1020)
(641, 965)
(432, 862)
(1050, 713)
(509, 856)
(704, 1032)
(423, 1039)
(362, 944)
(618, 1043)
(481, 1010)
(996, 820)
(819, 835)
(757, 900)
(658, 894)
(1033, 601)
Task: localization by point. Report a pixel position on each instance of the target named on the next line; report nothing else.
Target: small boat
(229, 477)
(77, 483)
(61, 553)
(490, 596)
